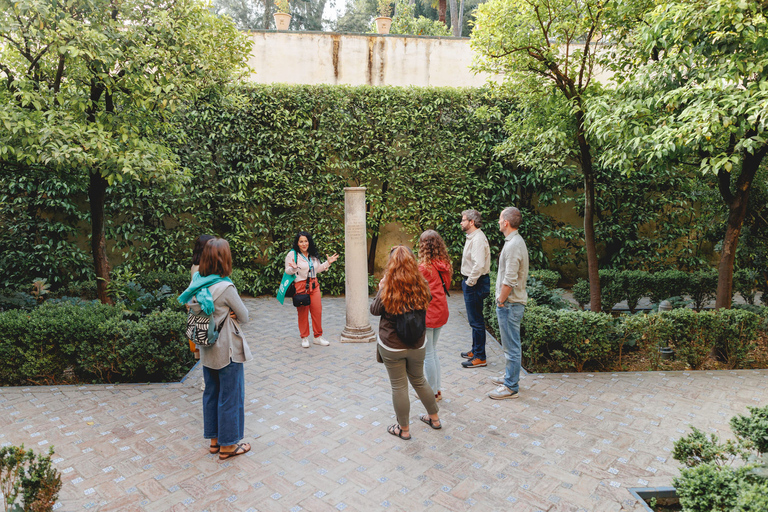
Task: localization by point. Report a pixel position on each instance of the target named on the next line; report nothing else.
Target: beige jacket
(476, 258)
(513, 268)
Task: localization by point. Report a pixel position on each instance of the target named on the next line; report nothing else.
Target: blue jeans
(473, 299)
(224, 404)
(431, 362)
(510, 317)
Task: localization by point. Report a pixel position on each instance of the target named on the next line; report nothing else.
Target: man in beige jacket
(475, 283)
(511, 298)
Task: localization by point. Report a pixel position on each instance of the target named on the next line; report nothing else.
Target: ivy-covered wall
(268, 160)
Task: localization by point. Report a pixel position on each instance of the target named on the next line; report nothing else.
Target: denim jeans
(224, 404)
(473, 299)
(431, 362)
(510, 317)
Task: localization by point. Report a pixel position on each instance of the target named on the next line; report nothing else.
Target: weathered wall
(359, 59)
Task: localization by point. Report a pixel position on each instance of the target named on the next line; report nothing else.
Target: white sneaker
(305, 342)
(321, 341)
(499, 380)
(502, 393)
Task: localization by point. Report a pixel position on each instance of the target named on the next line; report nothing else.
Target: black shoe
(474, 363)
(468, 355)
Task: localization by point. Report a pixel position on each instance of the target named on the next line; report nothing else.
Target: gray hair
(513, 216)
(474, 216)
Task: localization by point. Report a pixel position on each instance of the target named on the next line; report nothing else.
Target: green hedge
(563, 340)
(91, 342)
(631, 285)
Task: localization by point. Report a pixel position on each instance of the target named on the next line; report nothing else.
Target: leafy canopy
(693, 84)
(89, 84)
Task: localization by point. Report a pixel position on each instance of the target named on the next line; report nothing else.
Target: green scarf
(198, 288)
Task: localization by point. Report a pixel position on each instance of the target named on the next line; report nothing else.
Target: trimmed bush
(88, 341)
(580, 292)
(666, 284)
(745, 281)
(567, 340)
(177, 282)
(28, 476)
(735, 334)
(536, 332)
(693, 335)
(636, 284)
(550, 278)
(710, 483)
(612, 290)
(701, 287)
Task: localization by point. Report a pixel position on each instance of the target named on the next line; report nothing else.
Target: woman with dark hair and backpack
(197, 252)
(304, 262)
(213, 293)
(402, 302)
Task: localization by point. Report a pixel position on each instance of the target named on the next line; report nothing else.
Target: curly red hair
(432, 248)
(404, 288)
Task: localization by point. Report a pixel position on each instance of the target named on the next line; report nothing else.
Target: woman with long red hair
(403, 290)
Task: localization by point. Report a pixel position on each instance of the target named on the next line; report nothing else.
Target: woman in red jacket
(435, 266)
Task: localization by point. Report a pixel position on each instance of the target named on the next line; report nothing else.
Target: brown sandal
(234, 453)
(435, 424)
(397, 431)
(214, 448)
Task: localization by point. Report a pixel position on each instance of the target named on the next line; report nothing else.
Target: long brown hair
(216, 258)
(432, 248)
(404, 288)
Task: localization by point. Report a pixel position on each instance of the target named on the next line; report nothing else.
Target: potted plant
(282, 18)
(384, 21)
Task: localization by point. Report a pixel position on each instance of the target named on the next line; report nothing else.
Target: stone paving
(317, 417)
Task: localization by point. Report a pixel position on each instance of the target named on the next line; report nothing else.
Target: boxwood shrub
(76, 341)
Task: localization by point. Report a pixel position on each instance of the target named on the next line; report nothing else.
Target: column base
(358, 334)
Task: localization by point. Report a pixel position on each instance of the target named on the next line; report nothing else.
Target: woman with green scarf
(212, 292)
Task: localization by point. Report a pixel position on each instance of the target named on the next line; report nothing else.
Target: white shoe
(499, 380)
(305, 342)
(321, 341)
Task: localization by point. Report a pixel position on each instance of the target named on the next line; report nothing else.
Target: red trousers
(315, 307)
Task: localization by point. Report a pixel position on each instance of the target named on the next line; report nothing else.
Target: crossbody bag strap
(445, 289)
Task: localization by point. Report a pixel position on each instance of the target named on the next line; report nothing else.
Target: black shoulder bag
(302, 299)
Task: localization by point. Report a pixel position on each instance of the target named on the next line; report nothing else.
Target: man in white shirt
(511, 298)
(475, 283)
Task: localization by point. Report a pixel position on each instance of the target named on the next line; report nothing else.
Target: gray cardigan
(231, 345)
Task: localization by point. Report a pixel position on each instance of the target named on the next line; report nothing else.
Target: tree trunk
(268, 14)
(97, 193)
(441, 7)
(587, 170)
(455, 25)
(461, 18)
(737, 211)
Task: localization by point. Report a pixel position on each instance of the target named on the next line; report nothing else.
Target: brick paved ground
(316, 419)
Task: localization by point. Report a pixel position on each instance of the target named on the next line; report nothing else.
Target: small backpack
(202, 330)
(411, 326)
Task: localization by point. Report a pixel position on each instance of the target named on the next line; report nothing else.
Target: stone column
(358, 328)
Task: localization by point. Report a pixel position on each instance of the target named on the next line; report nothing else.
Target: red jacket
(437, 312)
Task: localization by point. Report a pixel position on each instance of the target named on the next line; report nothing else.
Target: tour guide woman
(224, 397)
(403, 289)
(304, 261)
